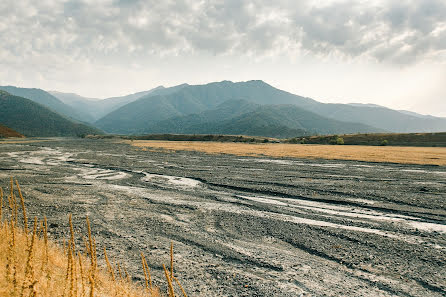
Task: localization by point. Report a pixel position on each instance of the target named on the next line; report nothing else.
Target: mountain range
(33, 119)
(250, 108)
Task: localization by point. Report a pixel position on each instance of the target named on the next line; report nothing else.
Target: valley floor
(245, 226)
(381, 154)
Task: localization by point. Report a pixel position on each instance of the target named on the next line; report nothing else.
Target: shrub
(340, 140)
(384, 142)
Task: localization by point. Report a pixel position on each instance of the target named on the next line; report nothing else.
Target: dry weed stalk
(119, 272)
(90, 277)
(81, 275)
(11, 266)
(46, 257)
(1, 206)
(22, 203)
(70, 221)
(50, 277)
(143, 261)
(92, 250)
(29, 280)
(181, 287)
(109, 266)
(171, 260)
(169, 282)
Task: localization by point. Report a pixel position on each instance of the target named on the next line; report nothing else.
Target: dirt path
(246, 226)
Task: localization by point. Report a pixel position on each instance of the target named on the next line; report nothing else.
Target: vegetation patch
(6, 132)
(32, 265)
(383, 154)
(378, 139)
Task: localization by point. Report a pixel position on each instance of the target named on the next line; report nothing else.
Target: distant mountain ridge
(152, 113)
(44, 98)
(97, 108)
(33, 119)
(251, 108)
(245, 118)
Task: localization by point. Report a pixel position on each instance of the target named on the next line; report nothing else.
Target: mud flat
(245, 226)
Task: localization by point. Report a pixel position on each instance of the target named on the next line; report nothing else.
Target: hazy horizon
(390, 53)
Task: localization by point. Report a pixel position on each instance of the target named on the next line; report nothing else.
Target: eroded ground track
(244, 226)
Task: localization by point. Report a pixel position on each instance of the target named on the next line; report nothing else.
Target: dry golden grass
(403, 155)
(31, 265)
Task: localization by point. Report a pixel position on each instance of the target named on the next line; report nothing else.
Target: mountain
(137, 116)
(192, 106)
(95, 109)
(380, 117)
(243, 117)
(44, 98)
(6, 132)
(88, 107)
(33, 119)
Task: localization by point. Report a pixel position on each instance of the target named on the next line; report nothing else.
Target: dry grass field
(8, 132)
(392, 154)
(32, 265)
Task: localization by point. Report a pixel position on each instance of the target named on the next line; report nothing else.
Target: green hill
(46, 99)
(94, 109)
(32, 119)
(170, 110)
(244, 118)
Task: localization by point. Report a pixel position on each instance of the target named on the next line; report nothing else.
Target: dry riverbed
(245, 226)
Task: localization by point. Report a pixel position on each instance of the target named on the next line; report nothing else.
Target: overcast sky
(385, 52)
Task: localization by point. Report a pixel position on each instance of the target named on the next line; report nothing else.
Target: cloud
(394, 31)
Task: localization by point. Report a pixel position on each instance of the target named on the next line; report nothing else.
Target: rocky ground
(245, 226)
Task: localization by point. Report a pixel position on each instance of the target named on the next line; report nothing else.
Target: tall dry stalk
(169, 282)
(145, 271)
(22, 203)
(91, 275)
(171, 260)
(119, 271)
(109, 266)
(81, 275)
(46, 256)
(11, 263)
(91, 279)
(1, 206)
(181, 287)
(29, 280)
(90, 243)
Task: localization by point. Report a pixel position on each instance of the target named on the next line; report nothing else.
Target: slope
(6, 132)
(32, 119)
(242, 117)
(48, 100)
(97, 108)
(143, 114)
(381, 117)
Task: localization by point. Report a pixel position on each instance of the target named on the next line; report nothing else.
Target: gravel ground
(245, 226)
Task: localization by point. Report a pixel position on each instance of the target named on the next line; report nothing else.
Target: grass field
(392, 154)
(33, 265)
(6, 132)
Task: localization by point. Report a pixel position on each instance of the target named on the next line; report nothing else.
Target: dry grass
(31, 265)
(403, 155)
(8, 132)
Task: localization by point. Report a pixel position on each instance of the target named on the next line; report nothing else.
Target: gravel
(244, 226)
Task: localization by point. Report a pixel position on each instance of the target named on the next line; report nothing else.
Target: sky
(386, 52)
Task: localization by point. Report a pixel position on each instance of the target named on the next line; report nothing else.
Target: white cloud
(40, 41)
